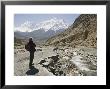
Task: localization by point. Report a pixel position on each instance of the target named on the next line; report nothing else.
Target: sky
(36, 18)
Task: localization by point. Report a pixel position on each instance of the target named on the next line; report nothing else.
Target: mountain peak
(51, 24)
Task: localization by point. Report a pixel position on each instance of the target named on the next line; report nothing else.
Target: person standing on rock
(30, 46)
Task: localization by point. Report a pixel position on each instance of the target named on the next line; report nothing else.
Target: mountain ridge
(81, 33)
(51, 24)
(43, 30)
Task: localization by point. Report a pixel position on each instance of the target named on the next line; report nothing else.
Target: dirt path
(21, 63)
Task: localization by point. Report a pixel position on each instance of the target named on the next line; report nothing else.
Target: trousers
(31, 58)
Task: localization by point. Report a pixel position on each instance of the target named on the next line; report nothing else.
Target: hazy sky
(36, 18)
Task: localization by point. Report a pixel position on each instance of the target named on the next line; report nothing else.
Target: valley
(61, 50)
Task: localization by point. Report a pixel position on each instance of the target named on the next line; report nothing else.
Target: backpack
(27, 47)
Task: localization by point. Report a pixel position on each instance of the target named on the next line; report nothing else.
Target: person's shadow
(32, 71)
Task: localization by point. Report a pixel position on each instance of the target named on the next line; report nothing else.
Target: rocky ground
(56, 61)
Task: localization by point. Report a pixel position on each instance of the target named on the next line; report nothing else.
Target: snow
(51, 24)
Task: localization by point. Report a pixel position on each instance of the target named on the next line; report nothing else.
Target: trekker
(30, 46)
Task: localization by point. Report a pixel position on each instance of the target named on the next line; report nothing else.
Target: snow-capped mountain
(51, 24)
(41, 30)
(25, 27)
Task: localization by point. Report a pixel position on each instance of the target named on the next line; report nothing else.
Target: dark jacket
(31, 46)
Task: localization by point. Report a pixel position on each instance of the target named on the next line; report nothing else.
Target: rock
(89, 73)
(75, 62)
(55, 58)
(55, 49)
(42, 61)
(39, 49)
(74, 53)
(65, 58)
(45, 63)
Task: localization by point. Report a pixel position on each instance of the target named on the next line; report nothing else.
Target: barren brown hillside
(83, 32)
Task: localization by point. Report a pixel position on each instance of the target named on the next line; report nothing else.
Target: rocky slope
(83, 32)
